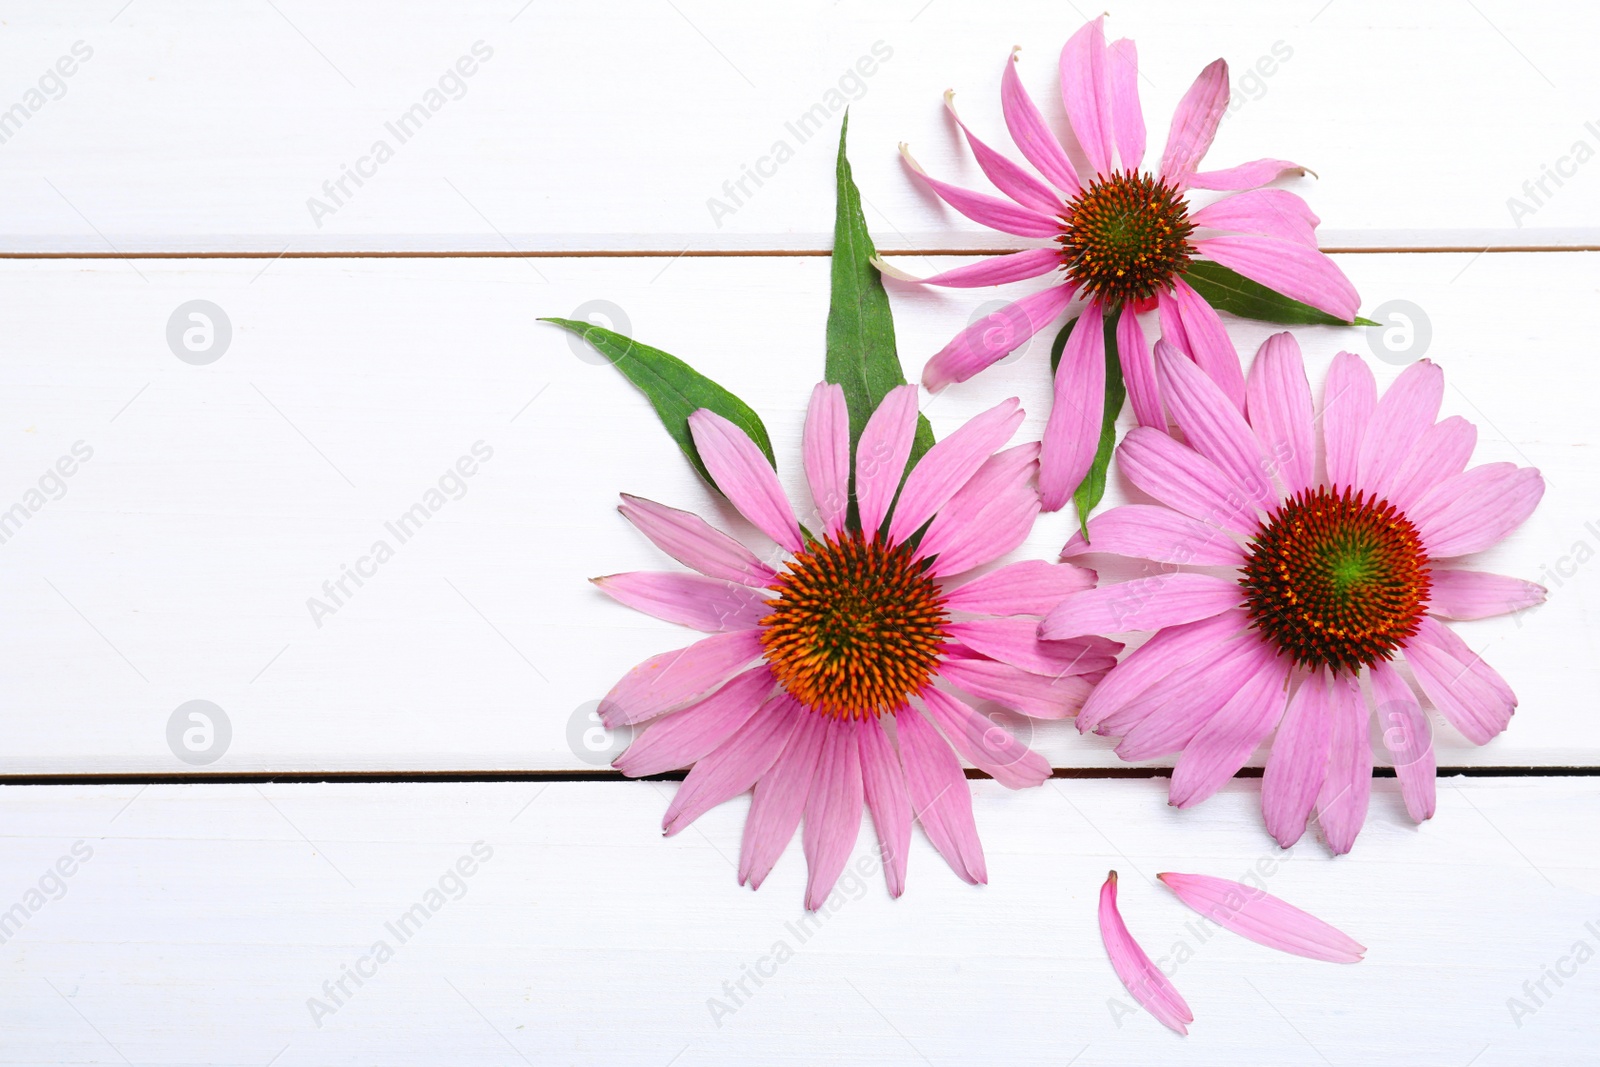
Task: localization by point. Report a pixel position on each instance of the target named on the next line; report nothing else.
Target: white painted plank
(207, 917)
(192, 126)
(180, 562)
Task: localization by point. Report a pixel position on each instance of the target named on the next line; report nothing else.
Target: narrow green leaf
(1093, 487)
(861, 356)
(676, 389)
(1228, 290)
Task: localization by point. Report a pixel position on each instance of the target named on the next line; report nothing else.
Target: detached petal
(1262, 917)
(1139, 976)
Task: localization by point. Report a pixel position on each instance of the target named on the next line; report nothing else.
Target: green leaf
(1228, 290)
(861, 356)
(676, 389)
(1093, 487)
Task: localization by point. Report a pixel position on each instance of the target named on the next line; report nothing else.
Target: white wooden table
(440, 710)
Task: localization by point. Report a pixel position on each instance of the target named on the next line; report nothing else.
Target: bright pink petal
(1442, 453)
(1298, 762)
(1086, 92)
(1342, 803)
(984, 743)
(1220, 747)
(940, 797)
(1245, 175)
(1407, 738)
(1016, 641)
(833, 811)
(1348, 399)
(881, 455)
(1194, 124)
(1182, 478)
(988, 210)
(991, 337)
(1139, 371)
(992, 514)
(1127, 119)
(742, 472)
(1267, 212)
(1139, 976)
(1466, 690)
(1166, 717)
(1193, 325)
(884, 785)
(1073, 431)
(1263, 918)
(949, 465)
(682, 738)
(779, 800)
(707, 604)
(1142, 604)
(1479, 595)
(1032, 134)
(688, 539)
(674, 680)
(1402, 415)
(1009, 178)
(1298, 272)
(1278, 402)
(826, 447)
(1031, 587)
(1476, 509)
(1147, 531)
(736, 765)
(1212, 425)
(1166, 652)
(992, 270)
(1055, 697)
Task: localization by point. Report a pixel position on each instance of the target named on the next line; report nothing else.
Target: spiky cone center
(1336, 580)
(856, 628)
(1125, 237)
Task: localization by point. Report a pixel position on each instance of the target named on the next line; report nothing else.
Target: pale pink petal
(1258, 915)
(884, 785)
(826, 446)
(1195, 123)
(1139, 976)
(1166, 652)
(991, 337)
(1126, 117)
(1016, 641)
(881, 455)
(687, 538)
(1072, 432)
(1182, 478)
(1031, 587)
(1465, 689)
(1298, 762)
(1267, 212)
(1407, 737)
(1442, 453)
(1298, 272)
(1212, 425)
(1166, 717)
(742, 472)
(1147, 531)
(1474, 510)
(987, 210)
(1032, 134)
(1142, 604)
(1278, 400)
(1032, 694)
(674, 680)
(736, 765)
(1479, 595)
(1193, 325)
(707, 604)
(1139, 371)
(949, 465)
(1086, 92)
(1402, 415)
(1220, 747)
(1245, 175)
(984, 743)
(1348, 398)
(1342, 802)
(779, 800)
(682, 738)
(833, 811)
(992, 514)
(992, 270)
(1009, 178)
(939, 796)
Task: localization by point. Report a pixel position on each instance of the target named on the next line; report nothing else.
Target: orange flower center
(856, 628)
(1125, 237)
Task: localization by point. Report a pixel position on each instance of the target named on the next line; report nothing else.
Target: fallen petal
(1263, 918)
(1142, 978)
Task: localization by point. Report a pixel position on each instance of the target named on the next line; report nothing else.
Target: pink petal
(1443, 452)
(1194, 124)
(1157, 658)
(1146, 531)
(1142, 604)
(1212, 425)
(1032, 134)
(779, 799)
(949, 465)
(1166, 717)
(940, 797)
(1479, 595)
(884, 784)
(991, 337)
(987, 210)
(1055, 697)
(827, 455)
(1246, 175)
(1183, 479)
(684, 737)
(1267, 212)
(1126, 117)
(677, 679)
(1408, 739)
(1220, 747)
(992, 270)
(881, 455)
(1193, 325)
(1278, 399)
(1402, 415)
(688, 539)
(742, 472)
(992, 514)
(736, 765)
(833, 811)
(1086, 92)
(1348, 398)
(1298, 762)
(1298, 272)
(1476, 509)
(1342, 803)
(1139, 371)
(1073, 431)
(707, 604)
(1139, 976)
(1016, 641)
(985, 743)
(1263, 918)
(1467, 691)
(1009, 178)
(1031, 587)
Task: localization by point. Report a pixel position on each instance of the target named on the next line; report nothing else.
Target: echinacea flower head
(1325, 582)
(1122, 238)
(821, 688)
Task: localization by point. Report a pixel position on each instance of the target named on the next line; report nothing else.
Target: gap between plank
(657, 253)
